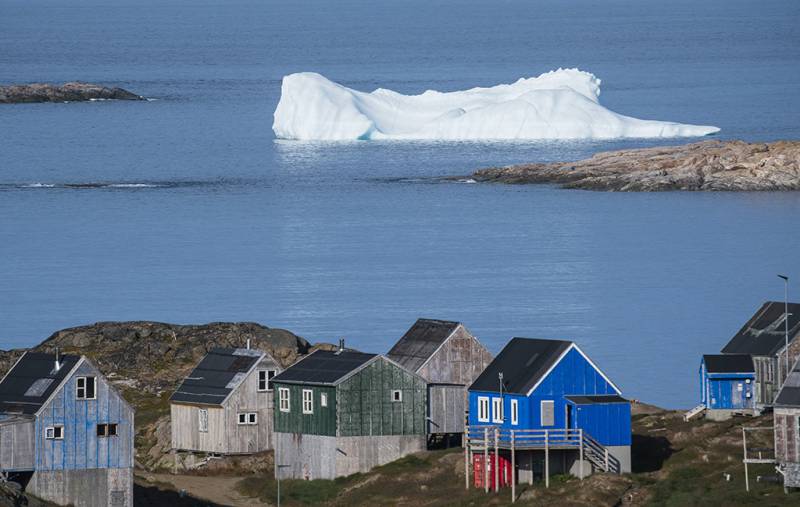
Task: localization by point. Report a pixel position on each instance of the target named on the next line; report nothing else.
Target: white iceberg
(562, 104)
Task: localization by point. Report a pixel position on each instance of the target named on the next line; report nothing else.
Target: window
(84, 388)
(265, 380)
(202, 420)
(497, 410)
(107, 430)
(248, 418)
(547, 415)
(323, 399)
(54, 432)
(483, 409)
(397, 396)
(308, 401)
(514, 412)
(283, 399)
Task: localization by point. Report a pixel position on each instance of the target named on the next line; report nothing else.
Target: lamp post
(786, 317)
(502, 405)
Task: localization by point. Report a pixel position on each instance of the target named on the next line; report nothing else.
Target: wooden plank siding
(766, 381)
(321, 422)
(447, 405)
(459, 360)
(17, 446)
(186, 434)
(787, 435)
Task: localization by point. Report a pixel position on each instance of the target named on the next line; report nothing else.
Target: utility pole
(786, 317)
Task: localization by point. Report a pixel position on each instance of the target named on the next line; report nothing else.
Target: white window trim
(84, 397)
(52, 429)
(497, 415)
(323, 399)
(308, 404)
(282, 398)
(483, 403)
(200, 419)
(399, 398)
(247, 417)
(267, 379)
(514, 412)
(552, 411)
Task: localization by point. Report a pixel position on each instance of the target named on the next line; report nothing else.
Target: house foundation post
(485, 460)
(496, 460)
(580, 453)
(546, 458)
(513, 470)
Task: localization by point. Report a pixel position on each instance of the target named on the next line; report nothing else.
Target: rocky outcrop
(708, 165)
(68, 92)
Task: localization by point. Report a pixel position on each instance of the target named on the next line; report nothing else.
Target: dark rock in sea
(708, 165)
(68, 92)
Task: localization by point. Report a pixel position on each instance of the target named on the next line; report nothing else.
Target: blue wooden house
(563, 414)
(727, 384)
(66, 433)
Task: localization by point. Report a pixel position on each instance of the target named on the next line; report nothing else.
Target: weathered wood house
(787, 428)
(342, 412)
(225, 405)
(551, 404)
(66, 433)
(449, 358)
(763, 337)
(727, 385)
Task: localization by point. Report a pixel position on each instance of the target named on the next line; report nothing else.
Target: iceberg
(561, 104)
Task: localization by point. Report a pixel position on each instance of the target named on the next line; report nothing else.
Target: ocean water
(186, 209)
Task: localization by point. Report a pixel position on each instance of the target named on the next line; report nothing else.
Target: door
(572, 419)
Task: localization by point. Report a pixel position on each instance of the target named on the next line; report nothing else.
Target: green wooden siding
(365, 403)
(321, 422)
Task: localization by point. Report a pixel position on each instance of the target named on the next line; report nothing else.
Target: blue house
(727, 384)
(550, 390)
(66, 434)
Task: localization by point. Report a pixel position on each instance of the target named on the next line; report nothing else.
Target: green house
(341, 412)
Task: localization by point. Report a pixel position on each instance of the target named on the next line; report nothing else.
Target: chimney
(58, 360)
(341, 346)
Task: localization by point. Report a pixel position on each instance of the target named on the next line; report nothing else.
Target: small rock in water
(68, 92)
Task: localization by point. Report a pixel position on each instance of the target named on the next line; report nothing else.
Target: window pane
(90, 387)
(58, 432)
(101, 430)
(112, 430)
(252, 418)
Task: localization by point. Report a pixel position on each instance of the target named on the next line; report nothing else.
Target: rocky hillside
(709, 165)
(68, 92)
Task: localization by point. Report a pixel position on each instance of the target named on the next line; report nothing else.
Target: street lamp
(502, 405)
(786, 317)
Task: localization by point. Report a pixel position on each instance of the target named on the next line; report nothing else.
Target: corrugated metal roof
(420, 342)
(323, 367)
(729, 363)
(764, 333)
(523, 361)
(596, 399)
(789, 395)
(218, 374)
(26, 388)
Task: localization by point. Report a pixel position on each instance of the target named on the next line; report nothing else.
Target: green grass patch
(293, 491)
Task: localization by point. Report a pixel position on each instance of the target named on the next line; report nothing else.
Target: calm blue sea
(188, 210)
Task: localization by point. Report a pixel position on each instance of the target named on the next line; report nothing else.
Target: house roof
(789, 395)
(324, 367)
(596, 399)
(32, 380)
(523, 362)
(729, 363)
(764, 333)
(420, 342)
(220, 372)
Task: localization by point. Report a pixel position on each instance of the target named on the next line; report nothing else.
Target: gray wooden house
(449, 358)
(225, 404)
(66, 434)
(786, 420)
(763, 338)
(342, 412)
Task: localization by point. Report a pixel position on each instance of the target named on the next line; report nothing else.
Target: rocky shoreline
(68, 92)
(707, 165)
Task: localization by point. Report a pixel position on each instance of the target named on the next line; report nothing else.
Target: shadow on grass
(153, 495)
(648, 454)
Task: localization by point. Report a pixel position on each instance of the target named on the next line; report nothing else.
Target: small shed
(342, 412)
(786, 420)
(225, 405)
(727, 384)
(449, 358)
(66, 431)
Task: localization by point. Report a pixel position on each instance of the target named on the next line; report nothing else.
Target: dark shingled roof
(32, 380)
(325, 367)
(729, 363)
(764, 334)
(789, 395)
(420, 342)
(523, 362)
(217, 375)
(596, 399)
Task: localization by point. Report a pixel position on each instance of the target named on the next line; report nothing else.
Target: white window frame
(308, 401)
(266, 381)
(247, 418)
(497, 410)
(202, 420)
(50, 432)
(323, 399)
(80, 390)
(284, 402)
(483, 409)
(397, 396)
(552, 411)
(514, 412)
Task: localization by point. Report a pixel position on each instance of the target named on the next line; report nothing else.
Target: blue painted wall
(726, 391)
(81, 448)
(573, 375)
(608, 423)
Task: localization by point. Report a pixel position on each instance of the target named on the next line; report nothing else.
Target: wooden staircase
(699, 409)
